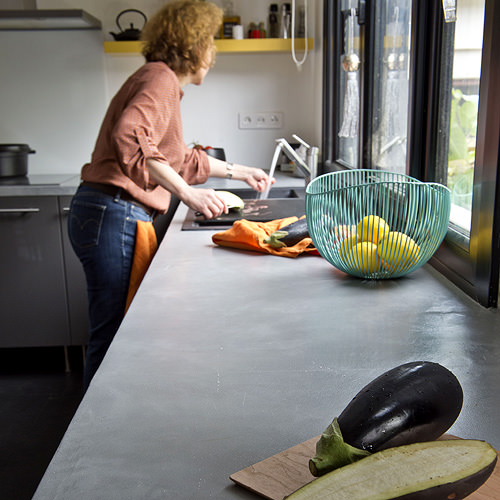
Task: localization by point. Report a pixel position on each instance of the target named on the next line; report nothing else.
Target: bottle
(285, 20)
(274, 26)
(229, 20)
(252, 30)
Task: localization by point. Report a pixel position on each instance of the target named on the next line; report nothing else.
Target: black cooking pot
(131, 33)
(14, 159)
(218, 153)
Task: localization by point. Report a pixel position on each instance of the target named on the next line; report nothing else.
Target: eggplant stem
(333, 452)
(274, 239)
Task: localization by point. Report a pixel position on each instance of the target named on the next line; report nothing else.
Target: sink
(286, 193)
(278, 192)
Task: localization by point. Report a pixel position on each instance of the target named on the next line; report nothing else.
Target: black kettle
(130, 33)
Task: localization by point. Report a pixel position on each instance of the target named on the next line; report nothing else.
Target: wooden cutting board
(283, 473)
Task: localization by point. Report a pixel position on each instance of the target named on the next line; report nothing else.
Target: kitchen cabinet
(225, 46)
(32, 296)
(42, 299)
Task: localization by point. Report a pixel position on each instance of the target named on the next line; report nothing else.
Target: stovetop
(37, 180)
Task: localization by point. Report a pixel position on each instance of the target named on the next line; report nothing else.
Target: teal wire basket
(375, 224)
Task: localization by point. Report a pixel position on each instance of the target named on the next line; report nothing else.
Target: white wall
(59, 113)
(52, 95)
(243, 83)
(468, 40)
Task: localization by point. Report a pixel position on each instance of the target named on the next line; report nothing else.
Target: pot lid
(15, 148)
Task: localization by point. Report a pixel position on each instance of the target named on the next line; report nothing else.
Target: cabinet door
(75, 281)
(33, 308)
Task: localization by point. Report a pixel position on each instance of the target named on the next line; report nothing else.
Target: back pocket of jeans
(85, 223)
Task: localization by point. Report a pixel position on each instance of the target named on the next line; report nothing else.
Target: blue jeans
(102, 230)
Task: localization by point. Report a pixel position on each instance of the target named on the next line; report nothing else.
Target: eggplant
(289, 235)
(436, 470)
(414, 402)
(232, 201)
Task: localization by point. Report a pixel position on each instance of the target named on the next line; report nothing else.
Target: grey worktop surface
(227, 357)
(67, 184)
(40, 185)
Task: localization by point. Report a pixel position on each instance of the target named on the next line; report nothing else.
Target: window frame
(332, 43)
(471, 262)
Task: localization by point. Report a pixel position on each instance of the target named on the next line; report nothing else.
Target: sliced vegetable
(414, 402)
(289, 235)
(232, 201)
(436, 470)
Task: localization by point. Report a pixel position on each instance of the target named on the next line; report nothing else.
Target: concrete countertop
(40, 185)
(227, 357)
(66, 184)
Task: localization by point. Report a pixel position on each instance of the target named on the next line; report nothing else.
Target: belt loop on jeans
(119, 193)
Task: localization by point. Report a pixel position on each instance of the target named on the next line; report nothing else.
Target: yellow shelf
(262, 45)
(224, 46)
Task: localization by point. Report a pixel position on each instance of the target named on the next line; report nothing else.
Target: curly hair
(181, 35)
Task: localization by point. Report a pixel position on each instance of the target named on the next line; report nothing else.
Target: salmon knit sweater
(144, 121)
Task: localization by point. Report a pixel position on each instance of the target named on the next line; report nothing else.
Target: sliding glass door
(389, 121)
(467, 156)
(426, 96)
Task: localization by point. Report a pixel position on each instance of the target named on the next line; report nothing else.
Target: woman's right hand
(204, 201)
(200, 200)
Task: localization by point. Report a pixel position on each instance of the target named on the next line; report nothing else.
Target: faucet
(311, 156)
(309, 167)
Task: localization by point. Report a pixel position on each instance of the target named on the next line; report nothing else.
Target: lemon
(397, 250)
(364, 257)
(346, 248)
(343, 231)
(371, 228)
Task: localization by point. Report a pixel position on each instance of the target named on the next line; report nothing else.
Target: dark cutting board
(254, 210)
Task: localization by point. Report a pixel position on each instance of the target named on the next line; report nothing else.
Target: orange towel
(248, 235)
(144, 251)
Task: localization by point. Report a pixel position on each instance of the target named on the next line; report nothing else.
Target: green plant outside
(461, 153)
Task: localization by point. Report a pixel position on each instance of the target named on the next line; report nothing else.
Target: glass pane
(349, 107)
(391, 85)
(467, 52)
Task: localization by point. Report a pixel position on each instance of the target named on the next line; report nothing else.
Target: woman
(140, 159)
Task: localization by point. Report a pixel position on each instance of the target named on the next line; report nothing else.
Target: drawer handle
(19, 210)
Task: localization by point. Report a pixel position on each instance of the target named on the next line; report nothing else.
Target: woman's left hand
(258, 179)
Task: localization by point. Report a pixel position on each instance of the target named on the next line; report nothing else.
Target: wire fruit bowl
(375, 224)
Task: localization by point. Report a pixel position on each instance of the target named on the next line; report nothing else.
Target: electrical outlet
(260, 120)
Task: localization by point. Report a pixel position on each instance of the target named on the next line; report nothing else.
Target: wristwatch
(229, 170)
